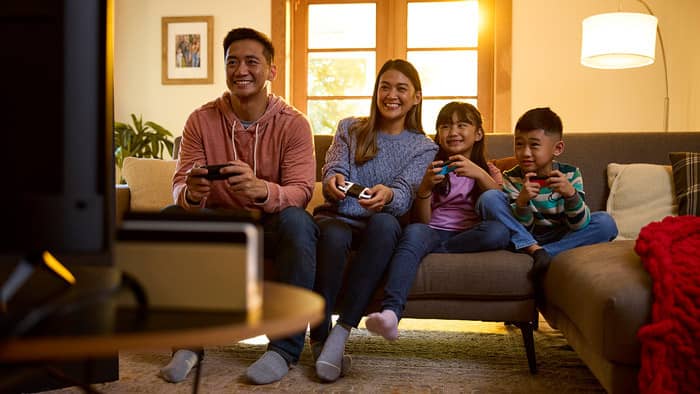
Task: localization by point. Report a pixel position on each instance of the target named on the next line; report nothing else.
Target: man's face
(535, 151)
(247, 70)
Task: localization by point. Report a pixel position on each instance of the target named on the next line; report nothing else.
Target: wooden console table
(286, 310)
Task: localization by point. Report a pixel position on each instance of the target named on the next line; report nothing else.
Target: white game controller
(355, 190)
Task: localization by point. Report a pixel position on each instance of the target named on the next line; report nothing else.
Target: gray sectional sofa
(598, 296)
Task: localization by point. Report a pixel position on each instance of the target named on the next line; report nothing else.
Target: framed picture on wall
(187, 50)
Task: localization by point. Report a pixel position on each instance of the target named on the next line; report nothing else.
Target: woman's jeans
(375, 244)
(419, 239)
(494, 205)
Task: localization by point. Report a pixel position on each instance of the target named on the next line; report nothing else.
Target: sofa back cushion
(639, 194)
(150, 183)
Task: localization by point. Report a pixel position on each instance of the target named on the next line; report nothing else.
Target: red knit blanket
(670, 251)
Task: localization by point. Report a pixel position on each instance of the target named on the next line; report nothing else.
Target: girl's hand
(330, 187)
(430, 178)
(557, 182)
(381, 195)
(465, 167)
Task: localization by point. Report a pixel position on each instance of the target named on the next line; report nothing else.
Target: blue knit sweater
(400, 164)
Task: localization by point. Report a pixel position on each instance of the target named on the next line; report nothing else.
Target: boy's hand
(559, 183)
(530, 190)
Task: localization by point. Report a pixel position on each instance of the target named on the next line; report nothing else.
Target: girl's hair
(465, 113)
(365, 129)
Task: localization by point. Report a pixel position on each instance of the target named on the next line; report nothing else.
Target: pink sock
(385, 324)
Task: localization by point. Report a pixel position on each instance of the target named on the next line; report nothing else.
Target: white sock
(179, 366)
(385, 324)
(329, 363)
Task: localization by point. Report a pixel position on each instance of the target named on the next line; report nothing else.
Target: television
(57, 116)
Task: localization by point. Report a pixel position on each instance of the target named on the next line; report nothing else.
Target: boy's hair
(245, 33)
(465, 113)
(540, 118)
(365, 129)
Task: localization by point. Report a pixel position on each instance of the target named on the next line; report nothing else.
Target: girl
(445, 210)
(386, 153)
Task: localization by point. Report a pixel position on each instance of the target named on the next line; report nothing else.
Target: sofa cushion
(686, 179)
(150, 183)
(604, 292)
(639, 194)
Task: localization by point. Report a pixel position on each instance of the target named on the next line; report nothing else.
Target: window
(335, 49)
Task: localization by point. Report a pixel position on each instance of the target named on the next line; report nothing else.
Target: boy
(546, 197)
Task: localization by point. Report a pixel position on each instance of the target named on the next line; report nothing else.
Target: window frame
(289, 21)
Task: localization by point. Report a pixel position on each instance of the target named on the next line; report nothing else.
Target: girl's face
(396, 95)
(458, 137)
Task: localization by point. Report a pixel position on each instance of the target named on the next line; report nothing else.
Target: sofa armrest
(123, 202)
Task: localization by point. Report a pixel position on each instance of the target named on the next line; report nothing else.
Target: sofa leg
(526, 328)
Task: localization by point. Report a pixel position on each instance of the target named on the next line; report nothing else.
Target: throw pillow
(150, 183)
(639, 194)
(686, 179)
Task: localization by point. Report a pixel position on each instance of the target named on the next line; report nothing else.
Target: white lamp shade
(618, 40)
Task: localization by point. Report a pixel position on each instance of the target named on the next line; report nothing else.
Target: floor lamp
(619, 40)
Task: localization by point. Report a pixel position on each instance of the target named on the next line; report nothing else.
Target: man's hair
(245, 33)
(540, 118)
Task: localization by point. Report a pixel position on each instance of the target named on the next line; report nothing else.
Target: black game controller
(540, 180)
(214, 173)
(446, 169)
(355, 190)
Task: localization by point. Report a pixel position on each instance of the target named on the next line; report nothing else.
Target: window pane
(342, 26)
(325, 114)
(431, 109)
(443, 24)
(341, 73)
(446, 73)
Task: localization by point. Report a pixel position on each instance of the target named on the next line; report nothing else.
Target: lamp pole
(663, 57)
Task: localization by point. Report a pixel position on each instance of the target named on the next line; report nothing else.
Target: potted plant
(142, 139)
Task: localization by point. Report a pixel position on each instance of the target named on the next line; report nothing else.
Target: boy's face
(535, 151)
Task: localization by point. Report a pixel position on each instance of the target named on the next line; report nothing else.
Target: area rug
(431, 356)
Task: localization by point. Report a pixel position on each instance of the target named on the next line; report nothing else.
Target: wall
(137, 68)
(546, 68)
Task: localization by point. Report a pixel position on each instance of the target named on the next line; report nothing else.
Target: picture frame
(187, 50)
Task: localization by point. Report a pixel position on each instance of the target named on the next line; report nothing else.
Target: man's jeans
(494, 205)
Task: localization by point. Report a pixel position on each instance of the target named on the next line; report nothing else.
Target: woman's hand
(330, 187)
(381, 195)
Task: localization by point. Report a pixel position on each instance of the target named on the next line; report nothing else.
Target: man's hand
(560, 184)
(243, 181)
(198, 187)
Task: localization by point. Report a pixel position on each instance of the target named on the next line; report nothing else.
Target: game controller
(446, 169)
(540, 180)
(355, 190)
(214, 173)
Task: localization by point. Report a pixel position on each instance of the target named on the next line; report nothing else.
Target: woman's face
(396, 95)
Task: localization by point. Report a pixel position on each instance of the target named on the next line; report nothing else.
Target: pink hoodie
(278, 146)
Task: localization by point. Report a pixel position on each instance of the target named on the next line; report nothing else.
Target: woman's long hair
(465, 113)
(365, 130)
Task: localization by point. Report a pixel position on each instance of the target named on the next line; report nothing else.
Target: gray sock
(328, 364)
(269, 368)
(179, 366)
(346, 364)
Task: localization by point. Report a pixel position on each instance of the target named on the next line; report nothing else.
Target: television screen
(58, 172)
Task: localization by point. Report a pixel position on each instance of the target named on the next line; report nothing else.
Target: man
(268, 146)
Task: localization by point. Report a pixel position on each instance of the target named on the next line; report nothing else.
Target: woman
(386, 153)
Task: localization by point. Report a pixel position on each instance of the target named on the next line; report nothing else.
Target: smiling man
(266, 147)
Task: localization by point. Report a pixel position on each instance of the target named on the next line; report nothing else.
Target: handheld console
(355, 190)
(540, 180)
(214, 173)
(446, 169)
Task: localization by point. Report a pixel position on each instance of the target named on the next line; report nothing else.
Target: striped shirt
(549, 209)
